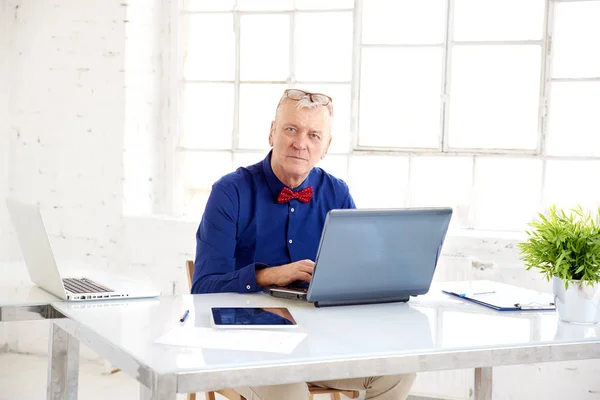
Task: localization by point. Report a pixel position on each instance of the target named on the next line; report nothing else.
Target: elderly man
(262, 226)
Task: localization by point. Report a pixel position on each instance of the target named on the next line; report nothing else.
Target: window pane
(207, 120)
(574, 121)
(404, 21)
(209, 37)
(257, 109)
(324, 5)
(208, 5)
(194, 202)
(569, 183)
(498, 19)
(245, 159)
(494, 101)
(264, 47)
(400, 97)
(443, 182)
(576, 40)
(507, 192)
(265, 5)
(201, 169)
(341, 110)
(336, 165)
(378, 181)
(324, 59)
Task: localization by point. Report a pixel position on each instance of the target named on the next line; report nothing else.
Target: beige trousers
(392, 387)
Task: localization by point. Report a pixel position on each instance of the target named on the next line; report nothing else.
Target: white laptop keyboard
(84, 285)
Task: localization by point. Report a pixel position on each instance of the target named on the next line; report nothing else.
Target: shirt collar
(274, 183)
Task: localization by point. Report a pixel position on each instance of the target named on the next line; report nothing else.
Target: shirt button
(292, 210)
(248, 287)
(290, 241)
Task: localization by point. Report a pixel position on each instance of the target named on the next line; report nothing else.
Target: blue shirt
(244, 228)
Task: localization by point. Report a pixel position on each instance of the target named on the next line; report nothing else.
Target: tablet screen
(252, 316)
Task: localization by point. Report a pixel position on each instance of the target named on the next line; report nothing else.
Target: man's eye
(290, 129)
(314, 136)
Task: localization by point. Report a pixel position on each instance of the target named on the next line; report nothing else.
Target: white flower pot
(579, 304)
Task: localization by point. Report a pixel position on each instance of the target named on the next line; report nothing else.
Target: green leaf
(564, 243)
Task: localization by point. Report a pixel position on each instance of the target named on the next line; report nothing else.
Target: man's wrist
(264, 277)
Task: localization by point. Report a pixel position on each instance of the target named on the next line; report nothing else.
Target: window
(488, 106)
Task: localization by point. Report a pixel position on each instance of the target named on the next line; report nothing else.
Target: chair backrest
(189, 268)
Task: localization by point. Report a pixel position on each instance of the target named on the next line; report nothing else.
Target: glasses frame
(310, 96)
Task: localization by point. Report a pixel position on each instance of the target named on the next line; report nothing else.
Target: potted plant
(565, 246)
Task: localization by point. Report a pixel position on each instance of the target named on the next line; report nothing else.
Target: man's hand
(285, 274)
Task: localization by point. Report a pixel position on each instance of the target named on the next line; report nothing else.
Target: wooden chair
(233, 395)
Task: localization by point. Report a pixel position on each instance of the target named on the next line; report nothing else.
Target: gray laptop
(374, 256)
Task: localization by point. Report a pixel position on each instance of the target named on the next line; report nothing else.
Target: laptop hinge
(361, 301)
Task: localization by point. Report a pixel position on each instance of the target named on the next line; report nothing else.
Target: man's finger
(302, 276)
(306, 268)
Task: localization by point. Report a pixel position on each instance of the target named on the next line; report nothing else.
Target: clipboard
(500, 296)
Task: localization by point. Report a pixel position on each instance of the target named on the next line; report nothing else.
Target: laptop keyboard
(302, 289)
(84, 285)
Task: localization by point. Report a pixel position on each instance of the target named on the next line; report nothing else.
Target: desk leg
(63, 365)
(163, 388)
(483, 383)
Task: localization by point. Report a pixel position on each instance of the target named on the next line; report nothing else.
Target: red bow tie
(303, 195)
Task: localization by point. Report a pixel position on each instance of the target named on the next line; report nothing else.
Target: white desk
(23, 303)
(433, 332)
(21, 299)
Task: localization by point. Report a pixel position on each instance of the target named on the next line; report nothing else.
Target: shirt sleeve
(214, 266)
(349, 202)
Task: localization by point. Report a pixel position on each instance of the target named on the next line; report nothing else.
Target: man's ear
(271, 133)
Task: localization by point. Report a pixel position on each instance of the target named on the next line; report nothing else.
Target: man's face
(300, 138)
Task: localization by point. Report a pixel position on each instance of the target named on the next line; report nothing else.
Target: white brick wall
(4, 125)
(70, 137)
(67, 112)
(146, 113)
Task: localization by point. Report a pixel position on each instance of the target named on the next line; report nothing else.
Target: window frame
(174, 191)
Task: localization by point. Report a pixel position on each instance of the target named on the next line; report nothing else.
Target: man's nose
(300, 142)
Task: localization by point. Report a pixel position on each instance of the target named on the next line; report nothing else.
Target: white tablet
(251, 317)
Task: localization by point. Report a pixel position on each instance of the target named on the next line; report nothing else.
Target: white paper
(238, 339)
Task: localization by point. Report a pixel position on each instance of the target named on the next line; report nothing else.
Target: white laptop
(43, 269)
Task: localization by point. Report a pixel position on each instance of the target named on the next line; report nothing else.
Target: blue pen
(475, 294)
(185, 315)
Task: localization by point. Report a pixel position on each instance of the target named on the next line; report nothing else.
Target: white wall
(66, 113)
(67, 110)
(88, 132)
(4, 125)
(146, 58)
